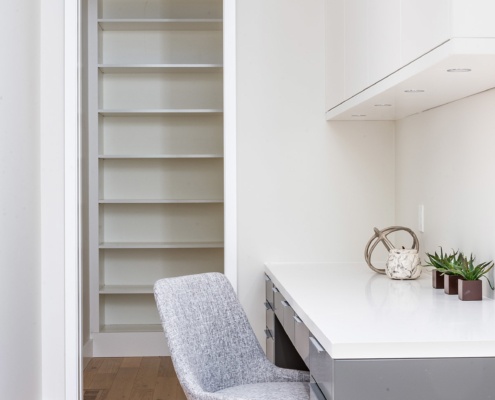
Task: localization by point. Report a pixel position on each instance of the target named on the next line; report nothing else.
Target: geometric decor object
(380, 236)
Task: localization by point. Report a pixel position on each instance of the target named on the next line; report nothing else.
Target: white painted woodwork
(334, 52)
(356, 68)
(382, 38)
(424, 25)
(408, 45)
(473, 18)
(388, 99)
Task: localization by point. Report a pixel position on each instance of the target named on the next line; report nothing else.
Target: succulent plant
(443, 262)
(468, 270)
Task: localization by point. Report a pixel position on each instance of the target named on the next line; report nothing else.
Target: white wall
(307, 189)
(52, 119)
(20, 311)
(446, 161)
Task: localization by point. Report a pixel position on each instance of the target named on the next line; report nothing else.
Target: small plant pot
(470, 290)
(437, 279)
(450, 285)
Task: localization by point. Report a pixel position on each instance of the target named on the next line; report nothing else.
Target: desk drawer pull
(268, 334)
(285, 303)
(268, 306)
(297, 319)
(275, 289)
(317, 345)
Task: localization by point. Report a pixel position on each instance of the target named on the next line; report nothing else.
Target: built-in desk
(380, 339)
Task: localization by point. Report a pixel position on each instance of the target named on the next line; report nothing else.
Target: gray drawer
(270, 345)
(315, 392)
(270, 317)
(301, 339)
(277, 305)
(288, 320)
(269, 290)
(321, 367)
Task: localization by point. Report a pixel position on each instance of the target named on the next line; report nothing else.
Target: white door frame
(73, 359)
(73, 314)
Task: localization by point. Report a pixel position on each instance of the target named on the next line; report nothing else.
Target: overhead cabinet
(155, 122)
(387, 59)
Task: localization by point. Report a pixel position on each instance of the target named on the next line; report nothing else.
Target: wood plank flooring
(131, 378)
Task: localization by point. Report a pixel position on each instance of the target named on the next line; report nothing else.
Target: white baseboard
(129, 344)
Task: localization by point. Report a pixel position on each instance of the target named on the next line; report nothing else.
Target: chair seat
(269, 391)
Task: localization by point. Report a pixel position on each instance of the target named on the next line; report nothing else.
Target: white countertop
(357, 313)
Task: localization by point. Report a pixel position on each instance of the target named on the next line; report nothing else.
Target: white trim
(230, 145)
(73, 377)
(73, 350)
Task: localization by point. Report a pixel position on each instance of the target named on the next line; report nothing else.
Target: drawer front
(289, 320)
(321, 367)
(270, 317)
(277, 305)
(301, 339)
(315, 392)
(269, 290)
(270, 346)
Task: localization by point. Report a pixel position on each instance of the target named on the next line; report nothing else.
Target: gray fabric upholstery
(212, 345)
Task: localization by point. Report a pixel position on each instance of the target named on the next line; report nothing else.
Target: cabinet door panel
(334, 52)
(425, 24)
(301, 339)
(321, 366)
(473, 18)
(289, 320)
(278, 298)
(270, 346)
(269, 317)
(383, 38)
(356, 78)
(269, 291)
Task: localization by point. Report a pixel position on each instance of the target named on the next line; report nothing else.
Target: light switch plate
(421, 218)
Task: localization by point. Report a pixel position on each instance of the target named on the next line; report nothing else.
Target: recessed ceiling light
(383, 105)
(459, 70)
(414, 91)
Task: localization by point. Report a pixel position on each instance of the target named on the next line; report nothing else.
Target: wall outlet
(421, 218)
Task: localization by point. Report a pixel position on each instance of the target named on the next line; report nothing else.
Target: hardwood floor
(131, 378)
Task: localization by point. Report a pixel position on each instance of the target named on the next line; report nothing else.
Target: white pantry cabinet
(424, 25)
(155, 118)
(393, 56)
(356, 77)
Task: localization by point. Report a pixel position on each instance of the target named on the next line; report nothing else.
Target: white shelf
(156, 156)
(141, 24)
(155, 145)
(161, 245)
(160, 201)
(162, 111)
(154, 68)
(126, 289)
(131, 328)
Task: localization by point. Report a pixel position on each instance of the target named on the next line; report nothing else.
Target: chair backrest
(210, 340)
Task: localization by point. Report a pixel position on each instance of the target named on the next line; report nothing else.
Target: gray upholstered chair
(214, 350)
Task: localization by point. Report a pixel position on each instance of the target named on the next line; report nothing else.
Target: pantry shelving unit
(155, 118)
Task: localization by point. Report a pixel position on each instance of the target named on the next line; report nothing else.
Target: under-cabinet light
(414, 91)
(358, 115)
(383, 105)
(459, 70)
